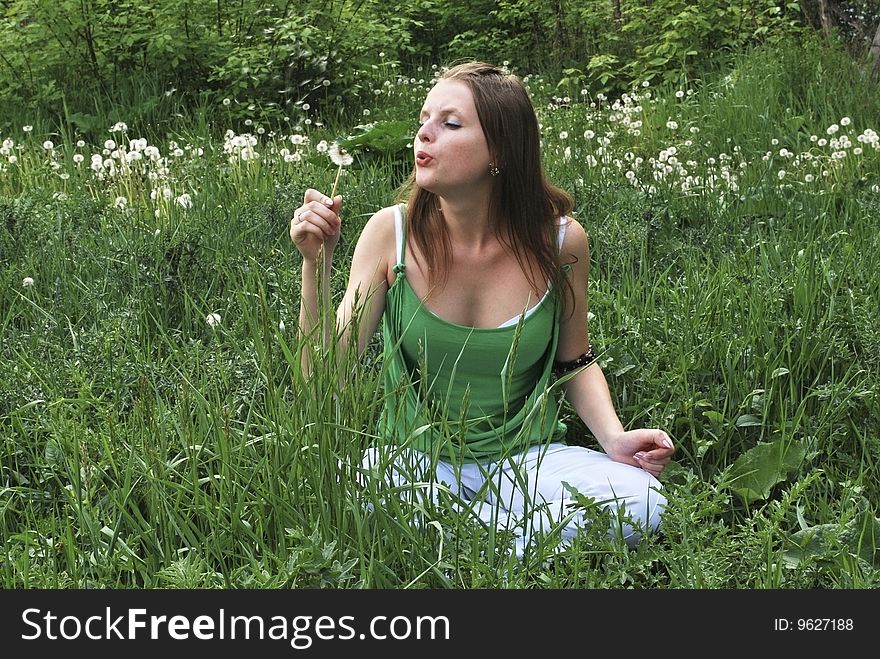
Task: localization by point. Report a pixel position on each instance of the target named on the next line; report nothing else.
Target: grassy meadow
(155, 430)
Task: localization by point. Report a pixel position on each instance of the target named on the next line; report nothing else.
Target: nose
(423, 134)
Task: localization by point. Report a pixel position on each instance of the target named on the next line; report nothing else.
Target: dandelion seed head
(339, 156)
(48, 145)
(27, 282)
(846, 121)
(213, 319)
(27, 129)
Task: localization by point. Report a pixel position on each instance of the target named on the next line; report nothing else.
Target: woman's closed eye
(449, 124)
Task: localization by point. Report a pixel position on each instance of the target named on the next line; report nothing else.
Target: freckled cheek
(466, 156)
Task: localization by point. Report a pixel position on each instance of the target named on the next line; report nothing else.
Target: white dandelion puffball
(340, 156)
(213, 319)
(27, 282)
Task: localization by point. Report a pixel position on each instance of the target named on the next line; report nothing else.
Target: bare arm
(363, 304)
(309, 310)
(587, 390)
(315, 228)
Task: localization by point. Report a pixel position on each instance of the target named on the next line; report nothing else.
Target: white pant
(525, 493)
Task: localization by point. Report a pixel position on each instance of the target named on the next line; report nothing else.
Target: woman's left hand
(648, 448)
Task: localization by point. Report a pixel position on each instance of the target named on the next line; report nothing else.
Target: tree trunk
(874, 55)
(560, 38)
(615, 4)
(825, 17)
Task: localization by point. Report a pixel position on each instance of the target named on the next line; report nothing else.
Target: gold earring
(493, 170)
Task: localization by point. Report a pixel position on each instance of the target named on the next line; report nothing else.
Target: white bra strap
(398, 233)
(563, 225)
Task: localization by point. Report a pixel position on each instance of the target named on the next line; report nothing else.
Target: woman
(480, 281)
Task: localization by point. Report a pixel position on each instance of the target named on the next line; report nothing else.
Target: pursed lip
(423, 158)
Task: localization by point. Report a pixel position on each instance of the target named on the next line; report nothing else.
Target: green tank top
(465, 393)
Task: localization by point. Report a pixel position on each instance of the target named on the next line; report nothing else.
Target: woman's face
(451, 153)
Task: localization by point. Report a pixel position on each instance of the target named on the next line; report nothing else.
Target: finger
(653, 468)
(657, 458)
(303, 231)
(312, 195)
(327, 221)
(320, 210)
(663, 439)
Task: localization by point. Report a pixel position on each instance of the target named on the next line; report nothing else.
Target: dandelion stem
(324, 305)
(336, 182)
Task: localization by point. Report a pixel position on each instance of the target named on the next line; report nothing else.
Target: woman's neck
(467, 221)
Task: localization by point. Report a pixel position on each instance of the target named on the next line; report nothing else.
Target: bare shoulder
(375, 245)
(380, 226)
(377, 236)
(576, 244)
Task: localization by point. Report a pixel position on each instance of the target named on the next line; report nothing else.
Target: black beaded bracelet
(561, 368)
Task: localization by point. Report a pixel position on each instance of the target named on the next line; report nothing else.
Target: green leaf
(747, 420)
(715, 417)
(755, 472)
(386, 137)
(53, 454)
(858, 537)
(85, 123)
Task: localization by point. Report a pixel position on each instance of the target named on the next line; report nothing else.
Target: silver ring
(296, 217)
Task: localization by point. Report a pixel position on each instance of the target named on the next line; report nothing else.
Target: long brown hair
(524, 206)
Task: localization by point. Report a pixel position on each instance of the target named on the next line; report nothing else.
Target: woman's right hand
(316, 223)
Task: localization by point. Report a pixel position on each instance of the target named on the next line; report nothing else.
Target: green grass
(142, 447)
